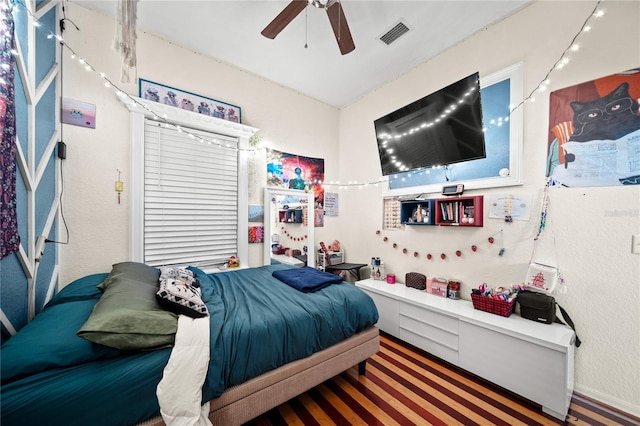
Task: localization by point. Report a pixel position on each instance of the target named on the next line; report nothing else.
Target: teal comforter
(257, 323)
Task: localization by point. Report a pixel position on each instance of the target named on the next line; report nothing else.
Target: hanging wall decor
(594, 132)
(331, 204)
(9, 237)
(256, 234)
(306, 174)
(78, 113)
(256, 213)
(171, 96)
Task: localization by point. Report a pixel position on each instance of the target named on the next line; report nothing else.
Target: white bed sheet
(180, 390)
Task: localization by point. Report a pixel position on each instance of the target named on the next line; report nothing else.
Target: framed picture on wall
(594, 132)
(256, 234)
(171, 96)
(256, 213)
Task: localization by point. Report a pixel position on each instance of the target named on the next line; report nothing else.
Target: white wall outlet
(635, 244)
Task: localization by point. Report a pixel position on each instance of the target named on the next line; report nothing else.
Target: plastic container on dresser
(460, 211)
(528, 358)
(335, 257)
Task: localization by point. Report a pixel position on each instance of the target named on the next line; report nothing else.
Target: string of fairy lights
(542, 86)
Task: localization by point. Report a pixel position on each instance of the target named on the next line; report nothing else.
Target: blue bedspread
(306, 279)
(257, 323)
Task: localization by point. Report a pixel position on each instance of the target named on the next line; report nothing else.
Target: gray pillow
(127, 316)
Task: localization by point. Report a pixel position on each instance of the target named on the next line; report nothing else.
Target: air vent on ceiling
(394, 33)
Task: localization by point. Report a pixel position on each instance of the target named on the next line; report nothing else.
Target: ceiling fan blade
(340, 28)
(283, 19)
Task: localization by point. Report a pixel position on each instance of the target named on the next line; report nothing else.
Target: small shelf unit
(449, 211)
(417, 212)
(460, 211)
(290, 216)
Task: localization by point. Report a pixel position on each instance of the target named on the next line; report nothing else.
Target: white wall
(588, 233)
(589, 228)
(99, 226)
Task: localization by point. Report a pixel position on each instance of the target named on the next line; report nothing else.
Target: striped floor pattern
(405, 386)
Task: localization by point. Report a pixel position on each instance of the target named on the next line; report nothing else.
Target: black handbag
(541, 307)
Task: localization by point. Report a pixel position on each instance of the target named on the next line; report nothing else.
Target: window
(501, 91)
(189, 199)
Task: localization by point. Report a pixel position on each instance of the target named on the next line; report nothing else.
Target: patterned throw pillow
(179, 292)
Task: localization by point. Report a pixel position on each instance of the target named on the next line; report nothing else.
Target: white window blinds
(190, 197)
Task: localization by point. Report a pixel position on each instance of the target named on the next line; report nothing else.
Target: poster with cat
(594, 132)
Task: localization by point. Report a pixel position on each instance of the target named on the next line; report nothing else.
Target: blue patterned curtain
(9, 238)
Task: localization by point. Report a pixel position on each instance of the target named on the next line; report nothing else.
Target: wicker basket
(494, 306)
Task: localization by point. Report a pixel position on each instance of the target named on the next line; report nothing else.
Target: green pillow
(127, 316)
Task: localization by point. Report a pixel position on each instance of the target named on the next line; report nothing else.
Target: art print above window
(188, 101)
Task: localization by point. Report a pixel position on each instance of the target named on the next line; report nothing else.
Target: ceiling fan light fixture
(321, 4)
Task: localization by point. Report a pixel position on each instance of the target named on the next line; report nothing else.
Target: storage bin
(495, 306)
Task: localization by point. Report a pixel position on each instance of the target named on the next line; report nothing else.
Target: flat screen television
(442, 128)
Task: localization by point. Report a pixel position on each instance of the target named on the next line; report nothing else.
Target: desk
(355, 267)
(287, 260)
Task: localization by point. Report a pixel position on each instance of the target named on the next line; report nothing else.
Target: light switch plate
(635, 244)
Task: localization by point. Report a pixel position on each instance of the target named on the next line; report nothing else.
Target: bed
(261, 353)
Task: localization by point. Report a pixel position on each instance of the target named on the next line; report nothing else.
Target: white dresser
(531, 359)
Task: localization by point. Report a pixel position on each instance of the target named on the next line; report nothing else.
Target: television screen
(442, 128)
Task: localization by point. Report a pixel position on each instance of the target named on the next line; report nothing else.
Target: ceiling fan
(334, 12)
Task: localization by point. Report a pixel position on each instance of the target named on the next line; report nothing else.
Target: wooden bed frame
(241, 403)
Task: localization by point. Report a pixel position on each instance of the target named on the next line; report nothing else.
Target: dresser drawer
(388, 313)
(433, 347)
(434, 319)
(426, 331)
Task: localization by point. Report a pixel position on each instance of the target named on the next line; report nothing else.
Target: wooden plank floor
(406, 386)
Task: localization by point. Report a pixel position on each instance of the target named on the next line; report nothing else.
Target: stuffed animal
(234, 262)
(152, 94)
(170, 99)
(219, 111)
(232, 115)
(335, 246)
(187, 104)
(203, 108)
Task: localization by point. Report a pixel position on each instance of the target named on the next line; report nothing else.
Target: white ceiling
(230, 32)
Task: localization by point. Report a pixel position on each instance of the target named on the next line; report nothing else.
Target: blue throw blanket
(306, 279)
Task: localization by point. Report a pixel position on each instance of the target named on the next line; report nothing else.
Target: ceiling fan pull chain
(339, 18)
(306, 24)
